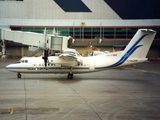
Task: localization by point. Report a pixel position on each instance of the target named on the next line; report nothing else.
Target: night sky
(136, 9)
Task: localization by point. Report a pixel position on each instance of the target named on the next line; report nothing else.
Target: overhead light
(73, 40)
(100, 40)
(49, 37)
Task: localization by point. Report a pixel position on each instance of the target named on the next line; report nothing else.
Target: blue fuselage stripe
(128, 53)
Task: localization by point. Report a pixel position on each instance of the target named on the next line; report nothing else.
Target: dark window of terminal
(109, 32)
(120, 32)
(96, 33)
(131, 32)
(77, 32)
(71, 32)
(63, 31)
(87, 33)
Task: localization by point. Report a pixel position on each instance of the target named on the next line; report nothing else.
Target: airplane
(71, 62)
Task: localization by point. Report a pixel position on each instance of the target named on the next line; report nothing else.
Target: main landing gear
(18, 75)
(70, 75)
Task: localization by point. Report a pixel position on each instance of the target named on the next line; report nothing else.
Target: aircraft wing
(68, 58)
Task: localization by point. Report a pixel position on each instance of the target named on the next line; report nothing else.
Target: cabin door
(92, 65)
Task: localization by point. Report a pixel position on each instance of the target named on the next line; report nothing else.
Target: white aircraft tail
(140, 44)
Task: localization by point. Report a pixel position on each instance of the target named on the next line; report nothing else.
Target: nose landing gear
(18, 75)
(70, 74)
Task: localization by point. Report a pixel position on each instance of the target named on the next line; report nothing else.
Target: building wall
(49, 9)
(31, 15)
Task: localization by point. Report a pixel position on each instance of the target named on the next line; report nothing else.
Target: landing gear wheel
(18, 75)
(70, 76)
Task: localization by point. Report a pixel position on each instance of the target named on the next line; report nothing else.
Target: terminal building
(93, 24)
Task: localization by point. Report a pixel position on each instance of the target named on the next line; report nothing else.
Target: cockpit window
(26, 61)
(23, 61)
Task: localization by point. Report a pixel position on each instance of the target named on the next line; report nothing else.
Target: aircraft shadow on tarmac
(61, 78)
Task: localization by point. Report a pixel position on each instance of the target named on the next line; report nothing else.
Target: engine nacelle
(60, 61)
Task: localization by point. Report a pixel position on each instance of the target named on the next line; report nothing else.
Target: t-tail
(140, 44)
(137, 49)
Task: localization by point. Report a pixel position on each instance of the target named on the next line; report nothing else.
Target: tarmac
(129, 93)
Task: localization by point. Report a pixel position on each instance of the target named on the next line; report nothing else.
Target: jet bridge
(50, 41)
(58, 42)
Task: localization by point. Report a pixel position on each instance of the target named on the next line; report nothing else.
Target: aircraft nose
(9, 67)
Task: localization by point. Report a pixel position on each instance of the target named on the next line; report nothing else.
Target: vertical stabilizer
(140, 44)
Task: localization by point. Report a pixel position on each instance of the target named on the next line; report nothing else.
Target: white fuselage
(89, 64)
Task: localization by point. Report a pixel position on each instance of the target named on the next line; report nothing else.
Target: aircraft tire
(18, 75)
(70, 76)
